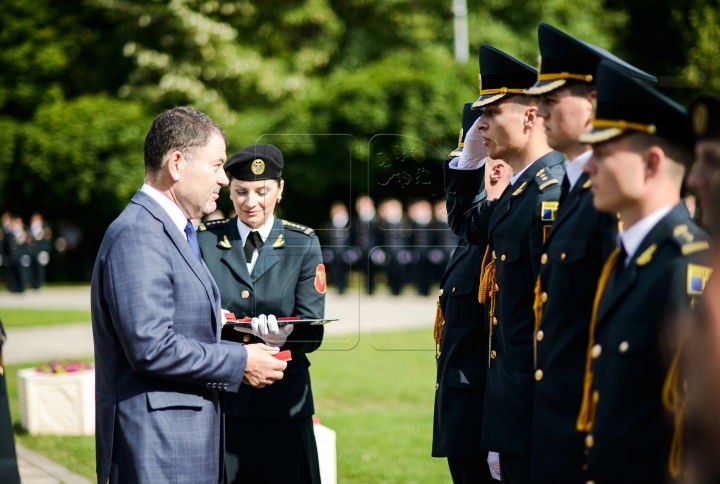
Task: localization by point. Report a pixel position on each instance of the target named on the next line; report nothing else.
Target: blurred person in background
(17, 254)
(420, 271)
(40, 245)
(701, 336)
(394, 234)
(267, 268)
(364, 237)
(461, 348)
(5, 228)
(338, 256)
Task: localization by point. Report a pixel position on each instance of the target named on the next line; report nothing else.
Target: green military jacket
(288, 279)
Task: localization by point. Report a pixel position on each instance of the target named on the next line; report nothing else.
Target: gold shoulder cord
(487, 294)
(538, 310)
(586, 418)
(438, 331)
(675, 400)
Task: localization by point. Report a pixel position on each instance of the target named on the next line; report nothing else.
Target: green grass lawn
(380, 403)
(16, 318)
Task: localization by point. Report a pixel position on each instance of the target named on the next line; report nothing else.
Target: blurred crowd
(24, 251)
(387, 243)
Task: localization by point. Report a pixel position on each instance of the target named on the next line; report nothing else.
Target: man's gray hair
(181, 128)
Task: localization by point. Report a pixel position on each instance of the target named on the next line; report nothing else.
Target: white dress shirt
(632, 237)
(263, 231)
(517, 175)
(574, 167)
(176, 214)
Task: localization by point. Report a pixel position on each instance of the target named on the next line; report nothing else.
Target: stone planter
(57, 404)
(327, 455)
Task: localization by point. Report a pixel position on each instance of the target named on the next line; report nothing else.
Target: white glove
(493, 461)
(266, 328)
(224, 320)
(473, 153)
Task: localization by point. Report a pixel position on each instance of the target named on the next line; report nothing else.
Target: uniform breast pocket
(568, 258)
(461, 298)
(509, 267)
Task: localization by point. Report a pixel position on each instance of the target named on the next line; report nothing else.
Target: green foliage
(703, 67)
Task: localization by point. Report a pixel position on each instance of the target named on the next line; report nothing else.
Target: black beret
(705, 117)
(626, 105)
(500, 75)
(256, 162)
(565, 58)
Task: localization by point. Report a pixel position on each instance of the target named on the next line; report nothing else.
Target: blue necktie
(192, 240)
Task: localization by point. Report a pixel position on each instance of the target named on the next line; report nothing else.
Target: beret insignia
(258, 167)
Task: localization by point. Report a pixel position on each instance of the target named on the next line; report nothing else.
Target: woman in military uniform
(267, 268)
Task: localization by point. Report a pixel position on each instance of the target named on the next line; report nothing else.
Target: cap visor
(598, 135)
(485, 100)
(542, 87)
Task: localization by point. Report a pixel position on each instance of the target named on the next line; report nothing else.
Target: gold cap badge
(258, 167)
(700, 117)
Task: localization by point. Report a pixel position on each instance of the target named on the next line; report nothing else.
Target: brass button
(584, 467)
(538, 375)
(590, 482)
(453, 289)
(245, 294)
(493, 354)
(563, 256)
(440, 292)
(624, 346)
(543, 259)
(502, 257)
(544, 297)
(596, 351)
(495, 321)
(540, 335)
(437, 385)
(589, 441)
(596, 396)
(246, 338)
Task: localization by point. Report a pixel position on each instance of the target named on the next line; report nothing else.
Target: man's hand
(474, 152)
(262, 368)
(267, 328)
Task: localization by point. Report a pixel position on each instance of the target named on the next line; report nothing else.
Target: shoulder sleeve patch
(697, 277)
(548, 210)
(297, 227)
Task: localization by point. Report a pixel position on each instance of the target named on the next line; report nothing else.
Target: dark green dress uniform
(269, 431)
(514, 228)
(580, 241)
(630, 439)
(462, 367)
(8, 460)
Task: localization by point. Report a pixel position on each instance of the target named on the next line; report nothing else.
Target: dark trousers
(470, 470)
(514, 469)
(261, 451)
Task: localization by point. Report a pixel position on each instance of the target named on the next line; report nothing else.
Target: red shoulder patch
(320, 279)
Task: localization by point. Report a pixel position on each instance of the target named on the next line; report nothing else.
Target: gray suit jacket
(159, 360)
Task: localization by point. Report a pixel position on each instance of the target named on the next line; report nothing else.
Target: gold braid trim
(538, 304)
(675, 400)
(501, 90)
(487, 294)
(586, 418)
(438, 330)
(564, 75)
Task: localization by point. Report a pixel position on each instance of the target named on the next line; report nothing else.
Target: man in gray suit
(160, 365)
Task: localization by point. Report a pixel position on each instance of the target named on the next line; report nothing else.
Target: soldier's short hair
(181, 128)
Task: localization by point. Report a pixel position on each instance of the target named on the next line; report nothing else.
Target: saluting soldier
(461, 345)
(267, 268)
(8, 460)
(580, 241)
(641, 147)
(513, 229)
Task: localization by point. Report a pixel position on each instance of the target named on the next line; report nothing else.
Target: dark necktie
(564, 189)
(192, 240)
(253, 242)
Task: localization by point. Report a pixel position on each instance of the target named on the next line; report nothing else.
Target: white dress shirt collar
(517, 175)
(176, 214)
(574, 167)
(632, 237)
(263, 231)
